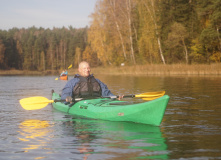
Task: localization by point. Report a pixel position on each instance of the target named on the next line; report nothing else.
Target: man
(84, 85)
(64, 73)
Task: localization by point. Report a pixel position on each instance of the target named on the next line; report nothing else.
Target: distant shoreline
(153, 69)
(26, 72)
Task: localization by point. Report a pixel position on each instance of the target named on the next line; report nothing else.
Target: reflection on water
(93, 138)
(34, 131)
(84, 138)
(125, 140)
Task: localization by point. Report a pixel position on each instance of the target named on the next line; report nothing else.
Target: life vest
(87, 87)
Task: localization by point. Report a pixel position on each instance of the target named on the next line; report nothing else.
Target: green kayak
(150, 112)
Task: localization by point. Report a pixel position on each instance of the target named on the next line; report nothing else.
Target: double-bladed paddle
(145, 96)
(33, 103)
(68, 68)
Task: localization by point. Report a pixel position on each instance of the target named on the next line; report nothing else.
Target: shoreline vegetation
(152, 69)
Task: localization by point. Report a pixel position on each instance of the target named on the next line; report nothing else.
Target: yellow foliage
(216, 57)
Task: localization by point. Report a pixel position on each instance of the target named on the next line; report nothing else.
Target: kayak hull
(150, 112)
(64, 77)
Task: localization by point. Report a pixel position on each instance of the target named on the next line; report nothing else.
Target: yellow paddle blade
(151, 98)
(70, 66)
(151, 94)
(33, 103)
(56, 78)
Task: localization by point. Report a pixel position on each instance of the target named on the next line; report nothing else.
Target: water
(191, 127)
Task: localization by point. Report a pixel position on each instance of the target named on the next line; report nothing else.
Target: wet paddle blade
(151, 94)
(56, 78)
(151, 98)
(33, 103)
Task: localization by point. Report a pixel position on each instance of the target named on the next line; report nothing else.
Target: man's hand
(120, 97)
(68, 99)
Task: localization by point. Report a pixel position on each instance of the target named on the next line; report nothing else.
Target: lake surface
(191, 127)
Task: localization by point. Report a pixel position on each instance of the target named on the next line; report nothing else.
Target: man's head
(84, 69)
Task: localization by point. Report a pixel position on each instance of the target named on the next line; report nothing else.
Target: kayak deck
(150, 112)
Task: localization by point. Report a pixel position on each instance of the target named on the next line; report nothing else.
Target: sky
(45, 13)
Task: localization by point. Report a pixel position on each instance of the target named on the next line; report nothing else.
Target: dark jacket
(69, 87)
(86, 87)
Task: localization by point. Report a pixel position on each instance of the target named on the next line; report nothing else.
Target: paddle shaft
(128, 96)
(133, 96)
(63, 100)
(112, 97)
(59, 100)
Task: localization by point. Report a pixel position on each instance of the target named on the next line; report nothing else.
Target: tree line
(122, 31)
(41, 49)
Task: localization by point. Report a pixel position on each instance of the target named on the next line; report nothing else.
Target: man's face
(84, 69)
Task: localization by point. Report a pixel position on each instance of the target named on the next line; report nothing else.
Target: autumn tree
(97, 37)
(176, 39)
(151, 8)
(2, 54)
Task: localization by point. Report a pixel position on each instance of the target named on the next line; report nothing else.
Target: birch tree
(113, 9)
(129, 18)
(97, 37)
(151, 10)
